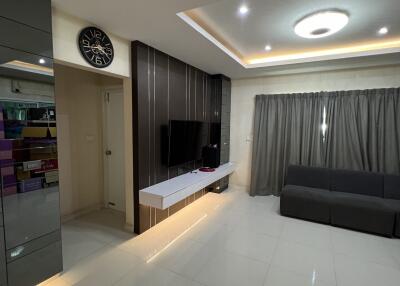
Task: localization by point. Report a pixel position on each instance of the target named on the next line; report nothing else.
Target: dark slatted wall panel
(164, 89)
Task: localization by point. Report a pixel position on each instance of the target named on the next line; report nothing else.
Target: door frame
(104, 91)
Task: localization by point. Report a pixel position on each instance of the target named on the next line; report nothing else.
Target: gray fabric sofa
(357, 200)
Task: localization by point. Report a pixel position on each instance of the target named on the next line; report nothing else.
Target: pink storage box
(6, 154)
(9, 191)
(6, 171)
(6, 167)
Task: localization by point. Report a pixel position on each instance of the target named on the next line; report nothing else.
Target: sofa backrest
(312, 177)
(392, 187)
(357, 182)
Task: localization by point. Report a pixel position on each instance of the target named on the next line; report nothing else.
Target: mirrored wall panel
(30, 237)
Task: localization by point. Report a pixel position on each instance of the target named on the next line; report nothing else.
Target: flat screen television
(185, 141)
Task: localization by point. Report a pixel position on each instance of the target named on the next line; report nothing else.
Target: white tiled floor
(227, 239)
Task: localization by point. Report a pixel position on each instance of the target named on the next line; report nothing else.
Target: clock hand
(101, 49)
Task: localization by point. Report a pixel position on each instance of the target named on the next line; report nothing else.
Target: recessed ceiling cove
(264, 33)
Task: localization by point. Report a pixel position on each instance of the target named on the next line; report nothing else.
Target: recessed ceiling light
(321, 24)
(243, 10)
(42, 61)
(268, 48)
(383, 31)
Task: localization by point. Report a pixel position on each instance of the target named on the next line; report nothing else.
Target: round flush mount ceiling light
(321, 24)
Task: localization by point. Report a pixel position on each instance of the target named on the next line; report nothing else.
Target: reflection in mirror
(28, 147)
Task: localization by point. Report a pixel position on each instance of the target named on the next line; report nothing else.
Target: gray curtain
(363, 133)
(364, 130)
(286, 131)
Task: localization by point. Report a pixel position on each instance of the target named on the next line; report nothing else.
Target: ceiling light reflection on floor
(383, 31)
(175, 239)
(268, 48)
(243, 10)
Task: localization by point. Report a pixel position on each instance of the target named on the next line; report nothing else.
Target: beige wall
(244, 91)
(66, 29)
(80, 144)
(66, 52)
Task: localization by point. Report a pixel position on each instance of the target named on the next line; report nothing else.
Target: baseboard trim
(81, 212)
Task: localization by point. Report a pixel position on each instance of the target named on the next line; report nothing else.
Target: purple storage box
(7, 163)
(29, 185)
(6, 144)
(9, 185)
(7, 167)
(8, 181)
(5, 149)
(2, 134)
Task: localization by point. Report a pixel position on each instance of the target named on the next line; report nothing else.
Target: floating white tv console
(168, 193)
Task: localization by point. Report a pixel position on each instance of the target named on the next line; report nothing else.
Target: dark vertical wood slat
(161, 112)
(144, 218)
(199, 96)
(143, 115)
(178, 96)
(207, 101)
(192, 93)
(151, 110)
(135, 135)
(177, 104)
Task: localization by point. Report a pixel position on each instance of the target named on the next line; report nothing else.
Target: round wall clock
(96, 47)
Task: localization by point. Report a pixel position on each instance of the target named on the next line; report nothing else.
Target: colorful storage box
(51, 164)
(32, 165)
(9, 185)
(20, 151)
(11, 190)
(6, 149)
(9, 180)
(7, 167)
(51, 177)
(39, 132)
(2, 133)
(45, 152)
(29, 185)
(22, 175)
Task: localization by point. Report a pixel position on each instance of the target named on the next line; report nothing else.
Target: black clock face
(96, 47)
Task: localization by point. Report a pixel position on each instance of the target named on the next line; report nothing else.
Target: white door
(114, 149)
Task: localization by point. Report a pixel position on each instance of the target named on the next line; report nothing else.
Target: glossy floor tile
(226, 268)
(225, 239)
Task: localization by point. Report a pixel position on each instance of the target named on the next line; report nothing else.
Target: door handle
(108, 152)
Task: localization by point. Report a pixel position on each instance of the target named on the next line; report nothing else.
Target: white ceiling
(271, 22)
(155, 22)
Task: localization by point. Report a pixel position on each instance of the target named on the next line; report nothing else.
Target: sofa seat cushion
(360, 212)
(306, 203)
(395, 206)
